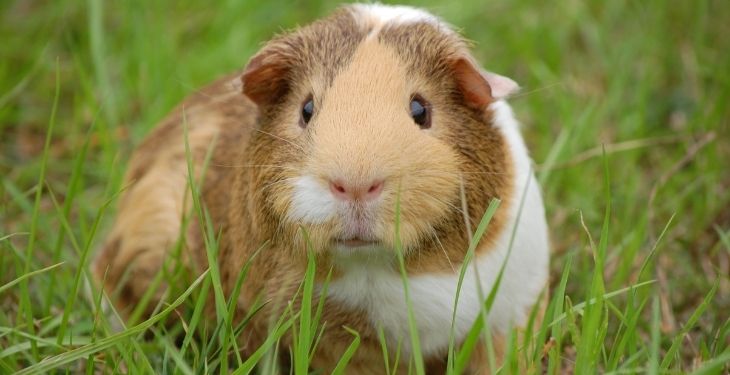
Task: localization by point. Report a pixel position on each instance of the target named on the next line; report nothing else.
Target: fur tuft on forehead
(395, 13)
(374, 17)
(378, 20)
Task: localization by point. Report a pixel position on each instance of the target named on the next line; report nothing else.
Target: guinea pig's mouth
(355, 242)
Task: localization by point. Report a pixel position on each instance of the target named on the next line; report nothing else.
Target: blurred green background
(645, 82)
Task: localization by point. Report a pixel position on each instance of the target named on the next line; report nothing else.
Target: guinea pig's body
(366, 132)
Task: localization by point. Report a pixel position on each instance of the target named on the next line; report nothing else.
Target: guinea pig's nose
(354, 192)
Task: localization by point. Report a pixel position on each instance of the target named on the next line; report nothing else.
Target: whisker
(489, 173)
(543, 88)
(457, 209)
(300, 148)
(436, 237)
(254, 166)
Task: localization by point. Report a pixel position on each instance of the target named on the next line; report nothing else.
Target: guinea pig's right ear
(480, 87)
(265, 77)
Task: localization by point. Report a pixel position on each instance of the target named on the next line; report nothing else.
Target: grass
(625, 106)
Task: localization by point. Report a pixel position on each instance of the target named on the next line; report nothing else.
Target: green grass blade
(480, 327)
(593, 316)
(412, 325)
(281, 327)
(580, 307)
(51, 363)
(305, 337)
(384, 348)
(556, 309)
(717, 365)
(653, 365)
(27, 276)
(671, 353)
(82, 270)
(71, 192)
(25, 294)
(349, 352)
(476, 237)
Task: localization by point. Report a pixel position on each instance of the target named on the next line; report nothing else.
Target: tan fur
(157, 196)
(361, 131)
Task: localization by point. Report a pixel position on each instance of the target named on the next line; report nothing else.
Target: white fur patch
(311, 201)
(394, 14)
(378, 290)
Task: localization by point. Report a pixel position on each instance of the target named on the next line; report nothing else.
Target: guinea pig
(364, 134)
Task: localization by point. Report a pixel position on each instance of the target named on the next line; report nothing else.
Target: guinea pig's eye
(421, 112)
(307, 112)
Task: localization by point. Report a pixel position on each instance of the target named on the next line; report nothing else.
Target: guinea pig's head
(374, 121)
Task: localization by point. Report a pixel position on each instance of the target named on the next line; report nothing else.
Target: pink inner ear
(502, 86)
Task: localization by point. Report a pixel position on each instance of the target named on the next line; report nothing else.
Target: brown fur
(258, 145)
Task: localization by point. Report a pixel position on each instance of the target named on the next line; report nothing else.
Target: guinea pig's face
(371, 126)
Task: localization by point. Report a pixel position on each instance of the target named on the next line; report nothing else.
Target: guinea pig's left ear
(480, 87)
(264, 80)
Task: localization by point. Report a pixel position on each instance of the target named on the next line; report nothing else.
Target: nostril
(338, 189)
(375, 189)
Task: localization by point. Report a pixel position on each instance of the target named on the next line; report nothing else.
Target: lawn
(625, 106)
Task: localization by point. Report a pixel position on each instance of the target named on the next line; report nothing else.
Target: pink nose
(354, 192)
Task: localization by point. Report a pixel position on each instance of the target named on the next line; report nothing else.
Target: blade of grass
(556, 309)
(27, 276)
(633, 317)
(18, 197)
(180, 364)
(724, 237)
(228, 334)
(579, 307)
(25, 294)
(593, 316)
(412, 325)
(207, 228)
(653, 365)
(671, 354)
(281, 327)
(714, 366)
(318, 314)
(71, 191)
(349, 352)
(81, 270)
(96, 42)
(479, 327)
(481, 229)
(384, 347)
(196, 318)
(305, 339)
(56, 361)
